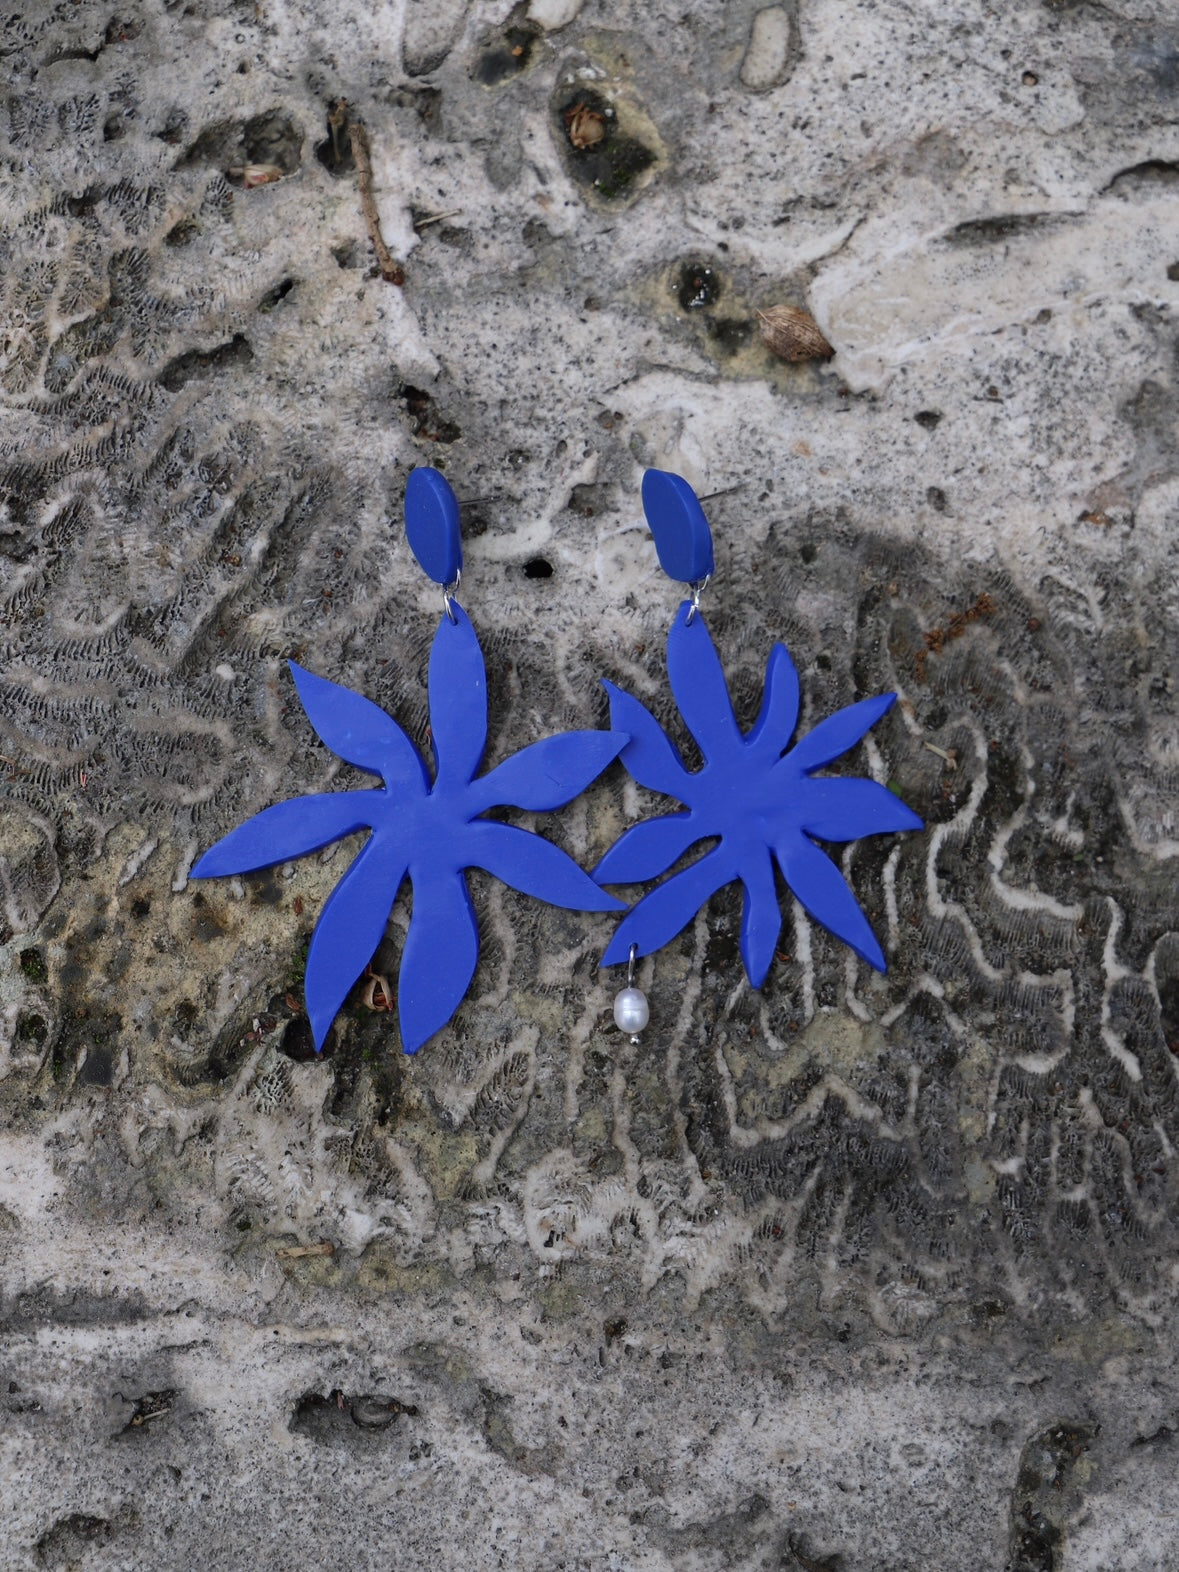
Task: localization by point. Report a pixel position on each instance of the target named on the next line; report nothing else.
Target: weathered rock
(860, 1267)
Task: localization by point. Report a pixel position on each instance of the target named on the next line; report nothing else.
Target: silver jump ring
(630, 965)
(449, 591)
(697, 590)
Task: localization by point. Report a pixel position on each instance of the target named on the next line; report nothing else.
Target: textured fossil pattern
(1001, 1106)
(211, 398)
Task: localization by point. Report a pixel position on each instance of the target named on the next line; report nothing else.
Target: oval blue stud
(432, 525)
(683, 540)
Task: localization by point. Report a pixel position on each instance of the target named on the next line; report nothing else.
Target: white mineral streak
(891, 298)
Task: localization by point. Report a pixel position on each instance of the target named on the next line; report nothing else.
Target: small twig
(294, 1252)
(391, 272)
(949, 755)
(436, 218)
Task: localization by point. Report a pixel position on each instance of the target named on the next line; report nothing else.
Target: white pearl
(630, 1010)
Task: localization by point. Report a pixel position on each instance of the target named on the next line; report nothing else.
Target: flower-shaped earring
(429, 831)
(761, 803)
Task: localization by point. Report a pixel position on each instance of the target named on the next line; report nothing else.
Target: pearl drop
(630, 1010)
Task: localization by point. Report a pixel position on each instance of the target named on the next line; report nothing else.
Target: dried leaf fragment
(585, 127)
(256, 174)
(378, 995)
(296, 1252)
(793, 334)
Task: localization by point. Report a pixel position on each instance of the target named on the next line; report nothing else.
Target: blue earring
(427, 831)
(763, 804)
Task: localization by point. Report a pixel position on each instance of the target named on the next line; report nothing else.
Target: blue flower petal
(670, 906)
(650, 756)
(458, 699)
(772, 730)
(843, 810)
(360, 731)
(550, 773)
(648, 849)
(698, 682)
(534, 866)
(824, 892)
(761, 918)
(836, 734)
(350, 928)
(438, 962)
(291, 829)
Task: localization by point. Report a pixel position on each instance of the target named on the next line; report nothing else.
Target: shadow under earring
(427, 830)
(757, 798)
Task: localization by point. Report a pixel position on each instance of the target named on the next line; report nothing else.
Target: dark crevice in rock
(1002, 226)
(271, 138)
(273, 296)
(196, 364)
(336, 1419)
(335, 151)
(426, 420)
(1153, 174)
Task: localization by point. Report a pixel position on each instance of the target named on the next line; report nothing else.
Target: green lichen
(32, 964)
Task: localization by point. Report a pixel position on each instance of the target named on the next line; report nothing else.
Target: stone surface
(860, 1272)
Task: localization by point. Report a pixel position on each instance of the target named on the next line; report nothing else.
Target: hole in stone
(538, 568)
(698, 285)
(297, 1041)
(32, 964)
(181, 233)
(197, 364)
(599, 155)
(335, 151)
(271, 138)
(174, 127)
(272, 296)
(350, 255)
(506, 56)
(426, 420)
(337, 1417)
